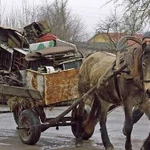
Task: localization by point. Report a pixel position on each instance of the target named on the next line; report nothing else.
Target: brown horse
(146, 145)
(128, 89)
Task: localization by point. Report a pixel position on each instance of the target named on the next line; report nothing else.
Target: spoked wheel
(85, 136)
(29, 127)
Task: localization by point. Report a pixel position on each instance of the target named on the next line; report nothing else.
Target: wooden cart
(32, 121)
(37, 75)
(31, 81)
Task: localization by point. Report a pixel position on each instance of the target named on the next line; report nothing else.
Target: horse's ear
(136, 70)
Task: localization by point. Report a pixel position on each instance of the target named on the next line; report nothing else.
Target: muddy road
(63, 138)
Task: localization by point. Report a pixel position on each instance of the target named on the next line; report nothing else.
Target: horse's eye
(143, 64)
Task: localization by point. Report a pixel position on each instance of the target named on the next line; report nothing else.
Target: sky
(90, 11)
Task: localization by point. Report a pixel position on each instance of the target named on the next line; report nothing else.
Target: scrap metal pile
(36, 49)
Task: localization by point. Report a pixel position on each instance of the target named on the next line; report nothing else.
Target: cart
(38, 75)
(31, 118)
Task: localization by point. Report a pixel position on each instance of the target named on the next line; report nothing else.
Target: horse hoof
(130, 148)
(79, 142)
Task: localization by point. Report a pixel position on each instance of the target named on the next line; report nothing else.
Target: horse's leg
(80, 109)
(146, 108)
(137, 114)
(80, 116)
(128, 125)
(102, 120)
(146, 145)
(92, 118)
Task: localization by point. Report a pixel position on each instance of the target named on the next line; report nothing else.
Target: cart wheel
(29, 127)
(85, 136)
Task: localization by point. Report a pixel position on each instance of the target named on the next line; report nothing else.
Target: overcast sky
(89, 11)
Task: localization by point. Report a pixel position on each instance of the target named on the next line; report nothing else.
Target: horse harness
(126, 73)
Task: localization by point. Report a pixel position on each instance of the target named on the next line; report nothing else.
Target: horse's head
(140, 67)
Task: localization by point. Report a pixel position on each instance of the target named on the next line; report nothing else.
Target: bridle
(148, 54)
(146, 81)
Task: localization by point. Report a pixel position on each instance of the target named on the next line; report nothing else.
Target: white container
(49, 69)
(41, 45)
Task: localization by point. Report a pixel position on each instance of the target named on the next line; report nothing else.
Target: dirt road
(63, 138)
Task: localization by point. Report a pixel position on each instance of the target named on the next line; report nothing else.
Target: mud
(63, 138)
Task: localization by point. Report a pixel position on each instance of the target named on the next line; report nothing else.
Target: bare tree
(127, 23)
(105, 27)
(10, 19)
(2, 12)
(19, 17)
(140, 8)
(116, 26)
(64, 24)
(132, 23)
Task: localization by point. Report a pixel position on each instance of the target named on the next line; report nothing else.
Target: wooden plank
(20, 91)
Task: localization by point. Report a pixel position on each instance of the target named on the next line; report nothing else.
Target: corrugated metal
(55, 87)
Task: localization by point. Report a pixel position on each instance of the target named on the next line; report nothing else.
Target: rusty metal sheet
(55, 87)
(35, 80)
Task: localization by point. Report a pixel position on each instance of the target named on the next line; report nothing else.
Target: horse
(130, 88)
(146, 145)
